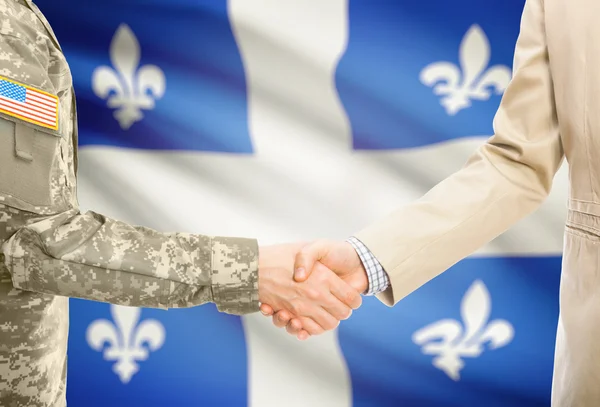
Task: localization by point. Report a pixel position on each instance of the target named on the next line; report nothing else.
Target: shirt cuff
(376, 275)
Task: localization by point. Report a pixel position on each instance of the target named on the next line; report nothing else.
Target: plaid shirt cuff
(378, 278)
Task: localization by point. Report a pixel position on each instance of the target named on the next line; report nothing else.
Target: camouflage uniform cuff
(235, 275)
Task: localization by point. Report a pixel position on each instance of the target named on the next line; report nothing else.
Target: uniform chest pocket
(29, 171)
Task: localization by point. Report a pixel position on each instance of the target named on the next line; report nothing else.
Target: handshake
(310, 288)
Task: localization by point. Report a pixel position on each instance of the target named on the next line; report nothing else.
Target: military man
(52, 251)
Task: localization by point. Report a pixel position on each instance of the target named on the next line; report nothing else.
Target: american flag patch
(29, 104)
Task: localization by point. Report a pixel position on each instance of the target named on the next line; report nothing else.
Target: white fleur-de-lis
(450, 342)
(125, 339)
(128, 88)
(458, 85)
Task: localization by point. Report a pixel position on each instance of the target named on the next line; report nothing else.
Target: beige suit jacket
(550, 110)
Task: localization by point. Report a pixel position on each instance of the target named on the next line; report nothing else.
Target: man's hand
(318, 304)
(337, 256)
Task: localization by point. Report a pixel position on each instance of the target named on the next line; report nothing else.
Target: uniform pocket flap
(28, 157)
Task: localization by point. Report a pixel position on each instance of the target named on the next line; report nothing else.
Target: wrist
(359, 280)
(363, 287)
(275, 268)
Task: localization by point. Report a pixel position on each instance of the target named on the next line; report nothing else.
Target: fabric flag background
(300, 119)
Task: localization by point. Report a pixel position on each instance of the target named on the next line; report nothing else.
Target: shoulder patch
(28, 104)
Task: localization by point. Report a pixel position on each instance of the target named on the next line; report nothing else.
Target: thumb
(306, 259)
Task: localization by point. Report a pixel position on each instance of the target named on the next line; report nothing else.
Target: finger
(345, 293)
(303, 335)
(333, 306)
(311, 327)
(319, 303)
(306, 259)
(294, 327)
(324, 319)
(281, 318)
(338, 287)
(266, 310)
(337, 309)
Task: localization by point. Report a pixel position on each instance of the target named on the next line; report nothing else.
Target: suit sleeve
(507, 178)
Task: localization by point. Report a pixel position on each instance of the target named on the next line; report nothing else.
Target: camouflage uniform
(51, 251)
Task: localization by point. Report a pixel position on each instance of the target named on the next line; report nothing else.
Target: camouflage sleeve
(94, 257)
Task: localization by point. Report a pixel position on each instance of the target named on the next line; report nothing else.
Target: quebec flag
(295, 120)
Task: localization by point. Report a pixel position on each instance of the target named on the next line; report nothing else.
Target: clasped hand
(310, 288)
